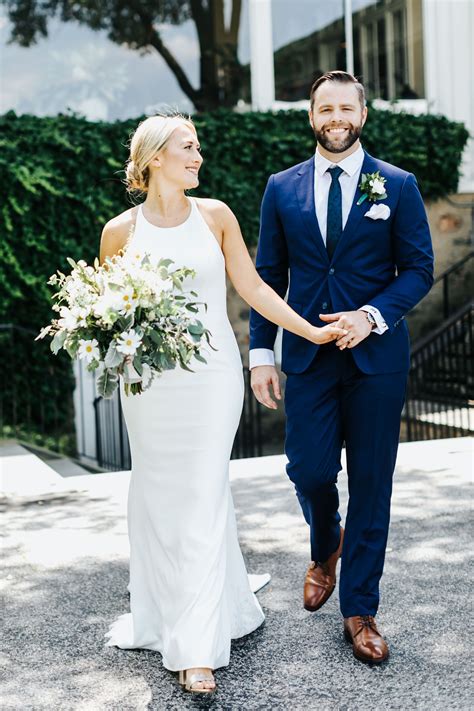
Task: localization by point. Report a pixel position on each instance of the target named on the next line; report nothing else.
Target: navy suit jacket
(385, 263)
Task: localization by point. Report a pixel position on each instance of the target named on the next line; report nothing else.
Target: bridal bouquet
(128, 316)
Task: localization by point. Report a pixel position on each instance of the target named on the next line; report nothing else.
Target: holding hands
(355, 323)
(347, 328)
(326, 334)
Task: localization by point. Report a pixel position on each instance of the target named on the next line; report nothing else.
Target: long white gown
(189, 589)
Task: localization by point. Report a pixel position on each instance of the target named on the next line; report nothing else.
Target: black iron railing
(36, 391)
(111, 438)
(450, 281)
(113, 448)
(440, 393)
(248, 440)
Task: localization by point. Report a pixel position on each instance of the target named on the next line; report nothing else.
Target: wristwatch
(370, 318)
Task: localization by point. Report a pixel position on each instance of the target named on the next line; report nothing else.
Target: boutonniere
(372, 186)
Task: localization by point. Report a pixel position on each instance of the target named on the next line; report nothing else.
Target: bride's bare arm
(115, 234)
(255, 291)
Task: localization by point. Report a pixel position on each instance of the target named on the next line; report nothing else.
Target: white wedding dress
(189, 589)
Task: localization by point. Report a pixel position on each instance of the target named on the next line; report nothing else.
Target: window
(308, 40)
(387, 57)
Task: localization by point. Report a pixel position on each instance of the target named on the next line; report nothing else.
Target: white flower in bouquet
(89, 350)
(128, 317)
(128, 342)
(68, 320)
(128, 300)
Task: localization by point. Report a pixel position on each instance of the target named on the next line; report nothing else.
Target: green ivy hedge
(62, 180)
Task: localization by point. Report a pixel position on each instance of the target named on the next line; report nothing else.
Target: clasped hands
(355, 323)
(347, 328)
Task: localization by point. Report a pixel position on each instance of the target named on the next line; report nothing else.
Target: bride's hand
(326, 334)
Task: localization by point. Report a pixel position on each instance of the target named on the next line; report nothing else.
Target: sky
(80, 70)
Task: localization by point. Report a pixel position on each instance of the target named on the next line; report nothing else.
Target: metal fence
(440, 393)
(36, 391)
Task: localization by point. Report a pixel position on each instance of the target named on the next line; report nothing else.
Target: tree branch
(173, 64)
(235, 20)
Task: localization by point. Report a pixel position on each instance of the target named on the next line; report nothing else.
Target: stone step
(24, 474)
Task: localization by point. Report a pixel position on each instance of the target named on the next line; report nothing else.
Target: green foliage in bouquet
(62, 181)
(129, 316)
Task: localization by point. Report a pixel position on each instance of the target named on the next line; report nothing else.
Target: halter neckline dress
(189, 589)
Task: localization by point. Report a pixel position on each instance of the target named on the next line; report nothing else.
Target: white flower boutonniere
(372, 186)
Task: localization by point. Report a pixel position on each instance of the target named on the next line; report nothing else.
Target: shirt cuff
(380, 325)
(261, 356)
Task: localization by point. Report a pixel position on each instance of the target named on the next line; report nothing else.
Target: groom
(356, 250)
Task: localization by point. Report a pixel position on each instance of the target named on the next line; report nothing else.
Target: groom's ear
(365, 112)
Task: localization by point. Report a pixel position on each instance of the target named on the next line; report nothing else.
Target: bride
(189, 589)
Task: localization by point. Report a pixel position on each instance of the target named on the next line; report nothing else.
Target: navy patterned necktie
(334, 220)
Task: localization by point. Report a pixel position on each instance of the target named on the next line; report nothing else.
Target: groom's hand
(261, 377)
(356, 323)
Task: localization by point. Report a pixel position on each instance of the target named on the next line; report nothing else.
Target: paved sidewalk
(65, 556)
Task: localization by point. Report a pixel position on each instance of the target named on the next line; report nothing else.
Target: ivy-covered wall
(62, 181)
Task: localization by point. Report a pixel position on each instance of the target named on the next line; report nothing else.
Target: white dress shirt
(348, 180)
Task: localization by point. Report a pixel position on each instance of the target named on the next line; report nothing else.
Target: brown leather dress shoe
(368, 644)
(320, 580)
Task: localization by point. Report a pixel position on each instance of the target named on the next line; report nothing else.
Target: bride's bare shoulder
(215, 208)
(217, 214)
(116, 233)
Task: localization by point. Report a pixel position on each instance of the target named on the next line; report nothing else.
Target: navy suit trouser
(331, 403)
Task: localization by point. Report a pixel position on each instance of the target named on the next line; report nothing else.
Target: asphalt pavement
(66, 572)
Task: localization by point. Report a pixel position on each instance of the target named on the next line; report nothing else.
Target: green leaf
(58, 341)
(107, 383)
(113, 357)
(196, 329)
(156, 337)
(165, 263)
(125, 322)
(137, 364)
(71, 347)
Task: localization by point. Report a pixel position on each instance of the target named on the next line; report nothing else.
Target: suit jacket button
(332, 270)
(324, 305)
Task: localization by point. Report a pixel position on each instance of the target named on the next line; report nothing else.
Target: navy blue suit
(353, 396)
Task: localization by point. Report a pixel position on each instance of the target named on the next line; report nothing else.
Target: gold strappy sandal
(188, 681)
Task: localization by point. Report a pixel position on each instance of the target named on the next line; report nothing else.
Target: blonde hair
(150, 136)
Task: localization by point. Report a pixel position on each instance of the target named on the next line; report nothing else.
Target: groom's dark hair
(340, 77)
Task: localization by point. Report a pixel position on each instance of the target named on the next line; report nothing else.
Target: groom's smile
(337, 116)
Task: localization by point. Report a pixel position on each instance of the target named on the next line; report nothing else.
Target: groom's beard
(333, 144)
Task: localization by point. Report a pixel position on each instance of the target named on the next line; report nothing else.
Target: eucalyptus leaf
(196, 329)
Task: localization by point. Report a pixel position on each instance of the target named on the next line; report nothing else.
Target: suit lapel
(357, 211)
(304, 185)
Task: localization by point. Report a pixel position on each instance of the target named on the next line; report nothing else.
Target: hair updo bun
(150, 137)
(136, 179)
